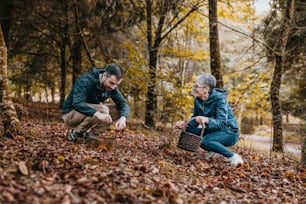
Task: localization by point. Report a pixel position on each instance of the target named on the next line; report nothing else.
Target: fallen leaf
(21, 138)
(88, 159)
(266, 170)
(170, 186)
(102, 148)
(61, 158)
(303, 176)
(142, 168)
(175, 200)
(290, 174)
(23, 168)
(74, 148)
(9, 197)
(246, 166)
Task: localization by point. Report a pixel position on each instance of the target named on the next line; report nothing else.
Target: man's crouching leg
(99, 127)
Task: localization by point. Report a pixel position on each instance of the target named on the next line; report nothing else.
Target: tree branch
(77, 19)
(245, 34)
(194, 8)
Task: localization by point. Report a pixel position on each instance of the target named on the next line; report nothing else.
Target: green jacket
(87, 89)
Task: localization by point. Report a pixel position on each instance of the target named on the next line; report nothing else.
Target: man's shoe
(235, 159)
(73, 135)
(90, 134)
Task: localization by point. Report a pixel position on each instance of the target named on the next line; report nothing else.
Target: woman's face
(200, 91)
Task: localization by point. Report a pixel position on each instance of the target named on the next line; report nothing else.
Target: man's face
(110, 82)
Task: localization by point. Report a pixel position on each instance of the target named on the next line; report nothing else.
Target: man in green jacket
(84, 107)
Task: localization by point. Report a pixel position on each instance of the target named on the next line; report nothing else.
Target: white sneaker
(235, 159)
(210, 155)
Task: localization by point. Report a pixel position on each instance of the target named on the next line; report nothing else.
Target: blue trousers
(218, 141)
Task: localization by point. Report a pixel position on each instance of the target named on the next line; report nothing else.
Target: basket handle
(203, 126)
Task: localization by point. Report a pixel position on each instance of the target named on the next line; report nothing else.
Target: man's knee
(103, 109)
(99, 107)
(111, 109)
(114, 111)
(73, 118)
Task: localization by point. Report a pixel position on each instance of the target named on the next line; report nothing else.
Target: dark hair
(114, 69)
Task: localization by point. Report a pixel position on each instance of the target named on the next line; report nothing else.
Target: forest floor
(140, 165)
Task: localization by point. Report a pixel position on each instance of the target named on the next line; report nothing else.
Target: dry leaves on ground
(142, 166)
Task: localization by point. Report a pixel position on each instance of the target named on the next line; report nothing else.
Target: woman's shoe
(210, 155)
(235, 159)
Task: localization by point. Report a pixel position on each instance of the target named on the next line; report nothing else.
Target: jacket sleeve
(120, 101)
(80, 93)
(193, 123)
(219, 121)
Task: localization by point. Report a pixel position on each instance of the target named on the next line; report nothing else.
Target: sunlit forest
(258, 56)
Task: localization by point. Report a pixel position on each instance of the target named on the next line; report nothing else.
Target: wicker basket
(189, 141)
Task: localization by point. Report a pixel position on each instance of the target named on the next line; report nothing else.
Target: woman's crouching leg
(218, 142)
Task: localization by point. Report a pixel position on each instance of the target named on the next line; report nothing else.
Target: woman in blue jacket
(212, 109)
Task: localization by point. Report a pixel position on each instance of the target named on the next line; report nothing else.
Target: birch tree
(9, 117)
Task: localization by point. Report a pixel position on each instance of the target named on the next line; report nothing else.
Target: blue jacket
(217, 109)
(88, 89)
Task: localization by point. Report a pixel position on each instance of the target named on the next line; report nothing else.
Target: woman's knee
(206, 143)
(196, 131)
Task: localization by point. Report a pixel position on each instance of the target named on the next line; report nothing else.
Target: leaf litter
(142, 166)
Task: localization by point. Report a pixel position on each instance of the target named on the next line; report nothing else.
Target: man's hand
(120, 124)
(180, 124)
(104, 117)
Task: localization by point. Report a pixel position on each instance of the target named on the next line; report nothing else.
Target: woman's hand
(180, 124)
(201, 119)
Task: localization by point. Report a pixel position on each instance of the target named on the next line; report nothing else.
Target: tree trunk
(276, 111)
(76, 58)
(303, 154)
(64, 44)
(215, 61)
(80, 39)
(153, 45)
(63, 74)
(151, 102)
(277, 75)
(151, 96)
(10, 120)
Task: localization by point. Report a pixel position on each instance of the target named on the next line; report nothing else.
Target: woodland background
(162, 46)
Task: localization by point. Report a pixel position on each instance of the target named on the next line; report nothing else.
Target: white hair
(207, 80)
